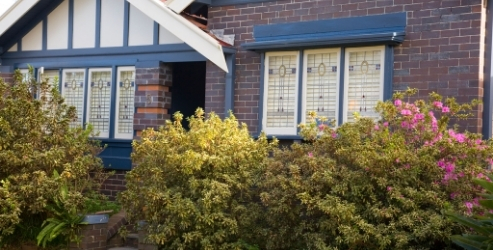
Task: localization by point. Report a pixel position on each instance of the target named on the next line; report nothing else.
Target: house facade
(126, 65)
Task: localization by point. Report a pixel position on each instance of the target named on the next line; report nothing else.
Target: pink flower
(386, 124)
(419, 117)
(453, 195)
(334, 135)
(321, 127)
(376, 127)
(445, 109)
(438, 104)
(405, 112)
(389, 188)
(397, 102)
(310, 154)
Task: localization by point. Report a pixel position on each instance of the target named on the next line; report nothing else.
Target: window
(320, 85)
(94, 94)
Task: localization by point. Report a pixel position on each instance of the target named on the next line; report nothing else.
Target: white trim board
(183, 29)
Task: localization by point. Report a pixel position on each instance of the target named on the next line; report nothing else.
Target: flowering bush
(373, 184)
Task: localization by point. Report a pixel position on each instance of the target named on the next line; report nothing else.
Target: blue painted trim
(98, 24)
(60, 78)
(126, 24)
(216, 3)
(388, 28)
(106, 61)
(342, 71)
(114, 77)
(261, 92)
(229, 50)
(6, 69)
(488, 89)
(301, 72)
(19, 47)
(27, 22)
(86, 90)
(148, 64)
(45, 34)
(156, 34)
(208, 2)
(70, 23)
(388, 73)
(167, 48)
(229, 98)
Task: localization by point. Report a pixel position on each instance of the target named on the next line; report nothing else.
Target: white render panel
(34, 39)
(141, 28)
(58, 27)
(84, 24)
(166, 37)
(112, 20)
(14, 48)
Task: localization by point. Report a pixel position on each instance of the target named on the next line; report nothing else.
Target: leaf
(477, 226)
(467, 243)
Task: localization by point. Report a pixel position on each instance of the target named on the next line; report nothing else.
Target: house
(128, 64)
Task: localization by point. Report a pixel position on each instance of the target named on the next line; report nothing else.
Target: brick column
(93, 238)
(153, 96)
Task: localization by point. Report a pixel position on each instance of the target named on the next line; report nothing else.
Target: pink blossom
(397, 102)
(405, 124)
(389, 188)
(376, 127)
(453, 195)
(461, 174)
(386, 124)
(445, 109)
(334, 135)
(438, 104)
(419, 117)
(310, 154)
(321, 127)
(397, 160)
(405, 112)
(407, 166)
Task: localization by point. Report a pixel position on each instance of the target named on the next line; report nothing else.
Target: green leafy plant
(36, 139)
(62, 222)
(480, 235)
(371, 184)
(192, 187)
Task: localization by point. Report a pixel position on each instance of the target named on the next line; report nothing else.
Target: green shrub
(481, 234)
(192, 187)
(371, 185)
(36, 140)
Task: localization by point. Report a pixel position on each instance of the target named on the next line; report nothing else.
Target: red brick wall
(7, 77)
(115, 184)
(153, 96)
(441, 52)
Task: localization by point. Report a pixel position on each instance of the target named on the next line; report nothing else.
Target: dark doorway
(188, 91)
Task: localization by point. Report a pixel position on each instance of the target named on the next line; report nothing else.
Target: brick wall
(114, 184)
(7, 77)
(153, 96)
(441, 52)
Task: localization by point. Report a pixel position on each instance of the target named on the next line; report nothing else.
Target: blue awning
(383, 29)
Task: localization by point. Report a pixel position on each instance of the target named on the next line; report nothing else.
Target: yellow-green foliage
(373, 185)
(35, 141)
(192, 186)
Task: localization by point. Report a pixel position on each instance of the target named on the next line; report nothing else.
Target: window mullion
(342, 99)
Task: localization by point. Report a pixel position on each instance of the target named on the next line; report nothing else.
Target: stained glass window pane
(321, 71)
(125, 109)
(364, 82)
(99, 103)
(281, 91)
(73, 92)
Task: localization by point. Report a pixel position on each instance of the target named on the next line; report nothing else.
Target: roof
(163, 12)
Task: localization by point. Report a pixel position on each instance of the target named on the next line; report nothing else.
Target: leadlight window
(99, 101)
(281, 91)
(322, 83)
(107, 105)
(125, 103)
(73, 92)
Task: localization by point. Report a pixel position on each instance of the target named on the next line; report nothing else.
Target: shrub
(481, 234)
(35, 141)
(372, 184)
(192, 187)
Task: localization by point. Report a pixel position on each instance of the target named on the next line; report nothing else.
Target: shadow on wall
(188, 91)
